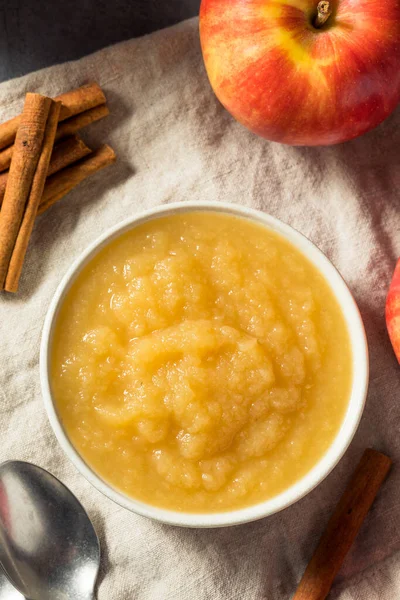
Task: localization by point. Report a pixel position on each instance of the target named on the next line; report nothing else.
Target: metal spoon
(8, 591)
(49, 549)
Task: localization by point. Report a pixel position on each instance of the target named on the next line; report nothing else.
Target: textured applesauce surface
(201, 363)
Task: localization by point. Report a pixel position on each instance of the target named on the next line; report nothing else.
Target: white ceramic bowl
(350, 422)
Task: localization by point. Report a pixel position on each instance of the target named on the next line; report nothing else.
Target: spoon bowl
(8, 591)
(49, 549)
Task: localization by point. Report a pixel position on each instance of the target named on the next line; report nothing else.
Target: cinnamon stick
(5, 157)
(80, 99)
(68, 127)
(66, 152)
(73, 103)
(28, 149)
(8, 131)
(34, 197)
(343, 526)
(71, 126)
(58, 185)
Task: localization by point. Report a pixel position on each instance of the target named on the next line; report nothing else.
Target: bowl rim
(357, 397)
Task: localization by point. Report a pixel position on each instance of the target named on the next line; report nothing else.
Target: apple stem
(324, 12)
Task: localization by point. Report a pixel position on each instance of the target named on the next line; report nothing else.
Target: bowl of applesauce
(204, 364)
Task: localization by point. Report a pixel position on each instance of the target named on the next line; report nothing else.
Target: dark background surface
(39, 33)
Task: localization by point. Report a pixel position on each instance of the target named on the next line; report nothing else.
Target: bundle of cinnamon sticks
(46, 160)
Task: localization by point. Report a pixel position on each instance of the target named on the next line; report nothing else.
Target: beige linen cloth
(176, 143)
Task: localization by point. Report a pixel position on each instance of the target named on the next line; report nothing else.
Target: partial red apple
(393, 311)
(288, 76)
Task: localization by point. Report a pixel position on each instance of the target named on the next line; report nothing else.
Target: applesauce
(201, 363)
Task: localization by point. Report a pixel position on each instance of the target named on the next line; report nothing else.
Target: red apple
(393, 311)
(288, 78)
